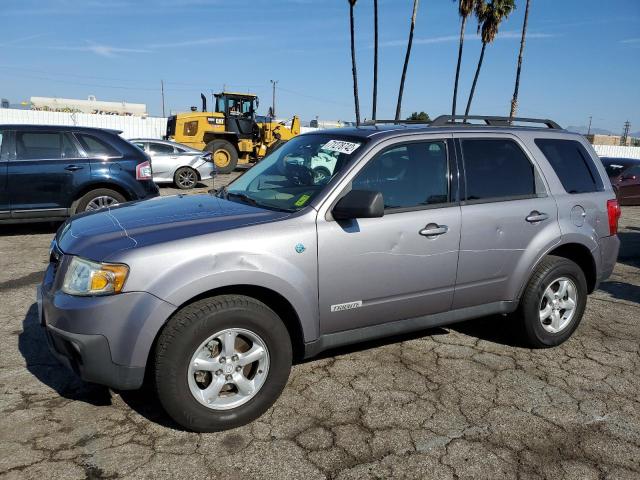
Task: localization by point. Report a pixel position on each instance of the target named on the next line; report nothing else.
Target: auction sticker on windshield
(341, 146)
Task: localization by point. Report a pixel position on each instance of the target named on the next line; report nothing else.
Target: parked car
(175, 163)
(48, 173)
(417, 226)
(624, 174)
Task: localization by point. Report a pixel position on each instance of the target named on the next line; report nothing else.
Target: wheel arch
(272, 299)
(577, 252)
(582, 256)
(95, 186)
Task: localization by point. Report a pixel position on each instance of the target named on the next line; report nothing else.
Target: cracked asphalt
(459, 402)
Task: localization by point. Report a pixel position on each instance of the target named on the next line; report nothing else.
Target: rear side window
(160, 148)
(572, 164)
(190, 128)
(496, 169)
(96, 147)
(38, 145)
(614, 169)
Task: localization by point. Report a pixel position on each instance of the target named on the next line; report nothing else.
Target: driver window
(411, 175)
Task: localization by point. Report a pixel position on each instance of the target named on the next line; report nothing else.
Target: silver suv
(337, 237)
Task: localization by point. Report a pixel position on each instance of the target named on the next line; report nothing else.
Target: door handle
(73, 168)
(536, 216)
(433, 229)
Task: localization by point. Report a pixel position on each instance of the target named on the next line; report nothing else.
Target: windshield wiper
(242, 196)
(253, 202)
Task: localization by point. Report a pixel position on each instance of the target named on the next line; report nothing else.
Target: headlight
(85, 277)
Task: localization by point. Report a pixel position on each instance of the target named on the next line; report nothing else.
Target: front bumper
(89, 357)
(105, 340)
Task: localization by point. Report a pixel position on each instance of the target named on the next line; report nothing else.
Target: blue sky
(581, 58)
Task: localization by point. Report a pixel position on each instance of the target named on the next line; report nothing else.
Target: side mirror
(359, 204)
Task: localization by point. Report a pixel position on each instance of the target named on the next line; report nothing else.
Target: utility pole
(273, 97)
(589, 129)
(625, 133)
(162, 92)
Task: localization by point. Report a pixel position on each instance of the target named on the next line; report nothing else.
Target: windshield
(294, 174)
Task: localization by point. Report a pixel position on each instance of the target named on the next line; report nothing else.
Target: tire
(224, 155)
(551, 273)
(99, 198)
(185, 178)
(186, 335)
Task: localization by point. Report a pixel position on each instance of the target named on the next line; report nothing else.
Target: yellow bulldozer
(233, 133)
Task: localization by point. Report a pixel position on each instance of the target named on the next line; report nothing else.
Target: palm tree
(489, 18)
(375, 60)
(514, 101)
(465, 7)
(406, 58)
(352, 3)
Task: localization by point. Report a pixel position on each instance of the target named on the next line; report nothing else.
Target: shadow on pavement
(14, 229)
(32, 344)
(629, 246)
(621, 290)
(501, 329)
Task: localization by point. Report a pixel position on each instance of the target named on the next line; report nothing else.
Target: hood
(98, 235)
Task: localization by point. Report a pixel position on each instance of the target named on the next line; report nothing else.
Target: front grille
(55, 256)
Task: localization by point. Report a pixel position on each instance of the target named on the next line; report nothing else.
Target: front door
(506, 217)
(44, 173)
(402, 265)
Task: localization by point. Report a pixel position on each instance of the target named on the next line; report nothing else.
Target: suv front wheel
(221, 362)
(553, 303)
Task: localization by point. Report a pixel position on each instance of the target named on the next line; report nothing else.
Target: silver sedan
(176, 163)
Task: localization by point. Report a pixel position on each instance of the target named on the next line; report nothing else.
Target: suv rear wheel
(221, 362)
(553, 302)
(98, 199)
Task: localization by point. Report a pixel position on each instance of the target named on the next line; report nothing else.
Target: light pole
(273, 97)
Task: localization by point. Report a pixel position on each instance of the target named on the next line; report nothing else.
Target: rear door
(4, 160)
(45, 173)
(507, 218)
(163, 159)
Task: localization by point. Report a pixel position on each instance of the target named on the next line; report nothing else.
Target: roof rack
(448, 120)
(396, 122)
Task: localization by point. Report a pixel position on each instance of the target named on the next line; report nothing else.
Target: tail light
(143, 171)
(614, 212)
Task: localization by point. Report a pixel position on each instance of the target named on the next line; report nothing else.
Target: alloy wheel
(228, 369)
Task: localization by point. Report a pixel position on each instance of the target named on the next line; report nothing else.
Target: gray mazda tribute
(337, 237)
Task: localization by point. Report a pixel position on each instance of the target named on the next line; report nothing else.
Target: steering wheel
(299, 174)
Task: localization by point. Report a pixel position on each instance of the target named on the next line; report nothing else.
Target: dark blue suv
(49, 173)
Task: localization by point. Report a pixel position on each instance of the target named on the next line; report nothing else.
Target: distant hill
(583, 129)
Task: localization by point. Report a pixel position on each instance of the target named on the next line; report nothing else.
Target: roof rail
(396, 122)
(493, 121)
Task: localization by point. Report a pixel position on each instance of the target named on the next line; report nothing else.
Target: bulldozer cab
(237, 104)
(239, 111)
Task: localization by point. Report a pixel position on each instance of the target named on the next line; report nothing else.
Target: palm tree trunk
(475, 79)
(514, 101)
(455, 85)
(353, 66)
(406, 59)
(375, 60)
